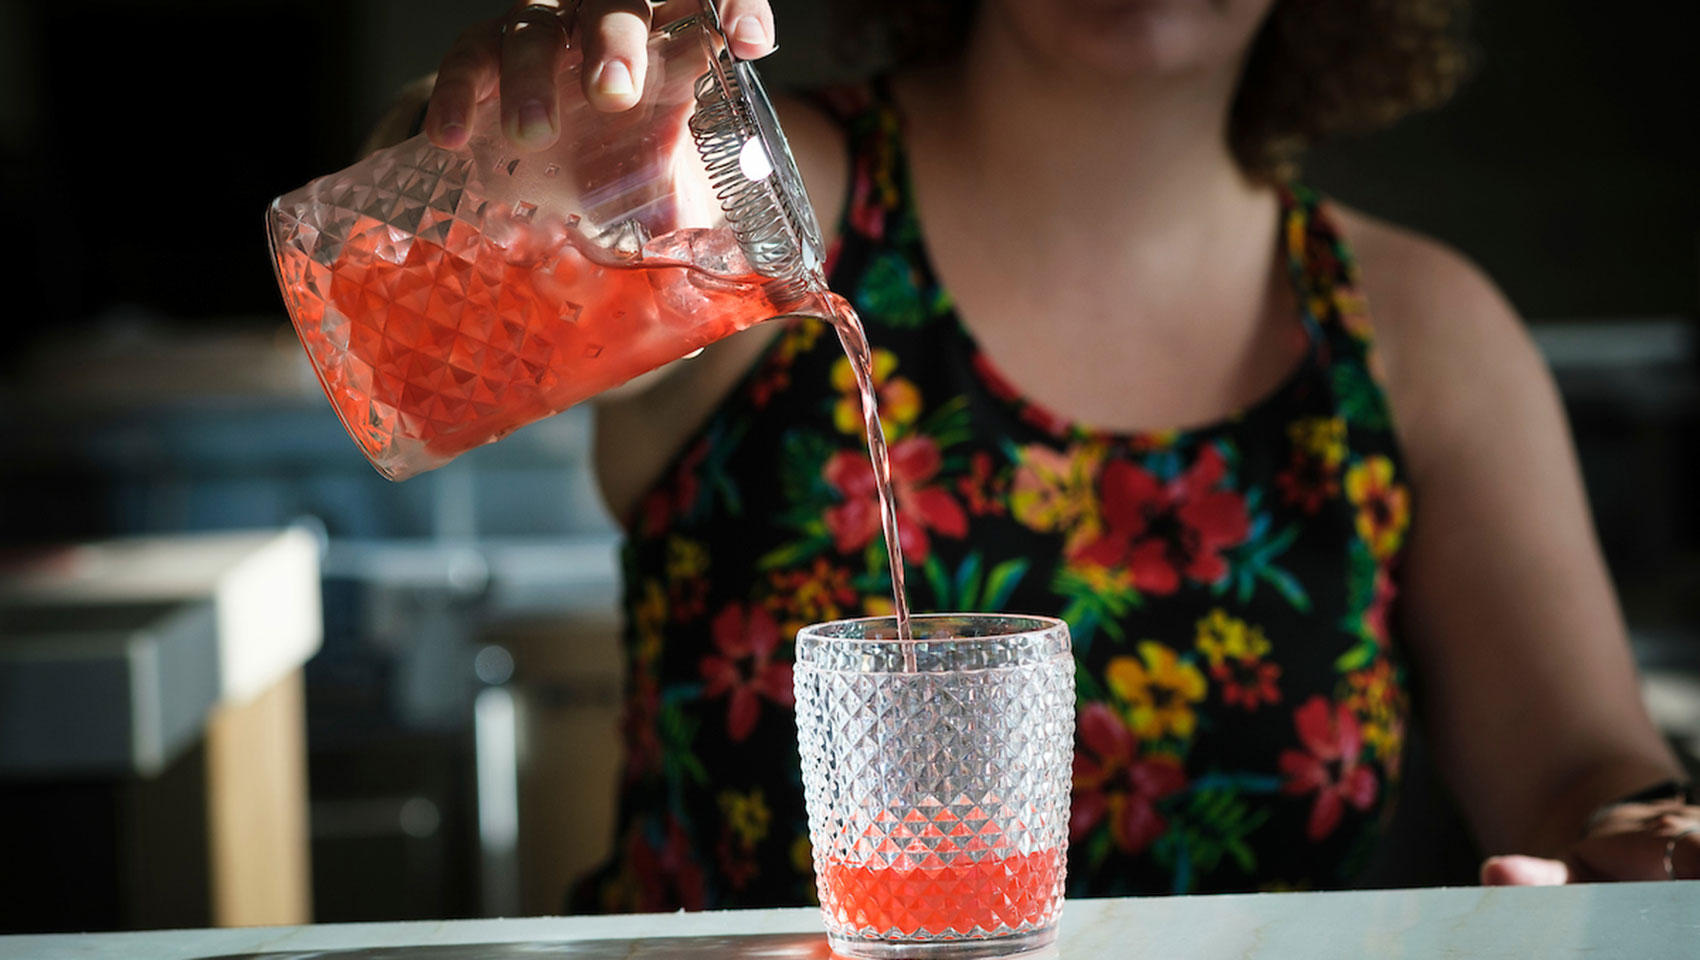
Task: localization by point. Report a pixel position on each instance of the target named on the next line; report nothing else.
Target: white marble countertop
(1643, 921)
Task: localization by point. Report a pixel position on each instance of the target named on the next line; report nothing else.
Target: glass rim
(823, 632)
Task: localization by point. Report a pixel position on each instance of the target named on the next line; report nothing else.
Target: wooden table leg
(256, 790)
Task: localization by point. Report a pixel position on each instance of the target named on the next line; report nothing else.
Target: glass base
(1014, 945)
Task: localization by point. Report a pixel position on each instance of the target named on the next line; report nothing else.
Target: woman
(1278, 463)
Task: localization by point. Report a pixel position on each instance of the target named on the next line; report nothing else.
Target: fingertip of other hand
(1519, 871)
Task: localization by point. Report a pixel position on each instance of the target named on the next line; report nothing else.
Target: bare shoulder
(1423, 295)
(1451, 346)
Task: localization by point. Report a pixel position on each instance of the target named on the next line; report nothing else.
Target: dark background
(138, 138)
(149, 381)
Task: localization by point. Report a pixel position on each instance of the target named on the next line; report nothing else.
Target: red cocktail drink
(1012, 892)
(429, 347)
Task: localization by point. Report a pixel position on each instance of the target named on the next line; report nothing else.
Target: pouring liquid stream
(855, 342)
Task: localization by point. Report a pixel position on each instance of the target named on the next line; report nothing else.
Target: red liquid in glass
(1008, 892)
(446, 349)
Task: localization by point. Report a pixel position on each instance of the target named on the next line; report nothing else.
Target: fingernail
(533, 119)
(615, 80)
(749, 30)
(449, 129)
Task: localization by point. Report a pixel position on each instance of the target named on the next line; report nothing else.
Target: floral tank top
(1241, 703)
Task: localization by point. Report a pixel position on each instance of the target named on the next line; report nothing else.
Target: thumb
(1521, 871)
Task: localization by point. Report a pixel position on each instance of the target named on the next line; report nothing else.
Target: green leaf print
(889, 293)
(1361, 401)
(967, 590)
(947, 424)
(1086, 688)
(722, 446)
(795, 552)
(806, 495)
(1002, 581)
(1362, 654)
(1361, 573)
(1212, 824)
(1253, 562)
(676, 732)
(1099, 847)
(968, 583)
(1092, 605)
(1361, 570)
(802, 457)
(1288, 587)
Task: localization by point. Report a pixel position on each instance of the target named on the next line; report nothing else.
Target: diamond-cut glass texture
(442, 309)
(427, 335)
(937, 783)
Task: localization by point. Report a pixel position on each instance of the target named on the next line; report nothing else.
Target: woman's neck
(1078, 159)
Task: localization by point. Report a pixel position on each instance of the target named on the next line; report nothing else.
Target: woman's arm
(1528, 686)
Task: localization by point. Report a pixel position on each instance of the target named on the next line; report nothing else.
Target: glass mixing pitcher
(449, 297)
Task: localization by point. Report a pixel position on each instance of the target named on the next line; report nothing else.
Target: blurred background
(244, 679)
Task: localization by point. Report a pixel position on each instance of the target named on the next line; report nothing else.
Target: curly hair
(1316, 68)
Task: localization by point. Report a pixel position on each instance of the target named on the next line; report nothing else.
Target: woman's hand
(1629, 841)
(519, 54)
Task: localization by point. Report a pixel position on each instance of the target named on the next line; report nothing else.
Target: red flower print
(664, 877)
(745, 667)
(866, 214)
(1375, 617)
(675, 495)
(1112, 783)
(1030, 412)
(1246, 682)
(638, 723)
(1162, 532)
(1308, 482)
(980, 487)
(914, 462)
(1331, 736)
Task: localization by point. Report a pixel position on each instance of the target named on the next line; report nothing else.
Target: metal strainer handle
(753, 175)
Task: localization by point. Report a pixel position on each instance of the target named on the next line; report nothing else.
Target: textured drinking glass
(449, 297)
(937, 776)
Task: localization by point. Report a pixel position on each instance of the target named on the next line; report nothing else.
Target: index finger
(467, 75)
(615, 35)
(749, 27)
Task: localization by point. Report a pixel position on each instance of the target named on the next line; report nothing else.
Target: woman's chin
(1128, 40)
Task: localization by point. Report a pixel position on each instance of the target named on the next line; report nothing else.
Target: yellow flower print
(1058, 492)
(802, 855)
(1159, 692)
(899, 400)
(746, 815)
(1384, 505)
(1354, 313)
(799, 338)
(648, 618)
(685, 559)
(801, 597)
(1101, 579)
(1222, 638)
(1296, 234)
(1324, 438)
(1374, 695)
